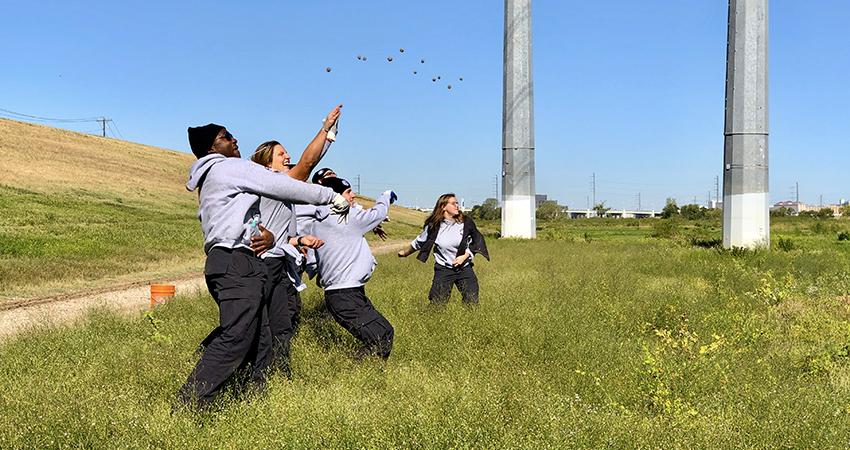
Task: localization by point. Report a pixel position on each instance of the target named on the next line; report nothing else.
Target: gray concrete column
(518, 206)
(746, 218)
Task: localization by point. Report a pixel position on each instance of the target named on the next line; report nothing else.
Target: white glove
(340, 204)
(392, 195)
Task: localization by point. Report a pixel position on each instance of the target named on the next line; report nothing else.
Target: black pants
(235, 279)
(354, 311)
(445, 278)
(284, 313)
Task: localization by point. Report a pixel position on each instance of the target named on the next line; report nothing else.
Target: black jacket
(469, 230)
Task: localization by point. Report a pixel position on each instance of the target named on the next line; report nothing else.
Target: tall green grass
(613, 341)
(79, 236)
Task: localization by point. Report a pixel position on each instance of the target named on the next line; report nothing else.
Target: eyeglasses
(227, 136)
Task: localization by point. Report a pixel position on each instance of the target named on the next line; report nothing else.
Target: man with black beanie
(229, 191)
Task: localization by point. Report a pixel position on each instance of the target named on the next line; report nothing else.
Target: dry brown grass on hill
(45, 159)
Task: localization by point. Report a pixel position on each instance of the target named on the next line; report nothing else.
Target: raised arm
(368, 219)
(316, 149)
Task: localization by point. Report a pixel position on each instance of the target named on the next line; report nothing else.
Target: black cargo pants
(235, 279)
(354, 311)
(284, 313)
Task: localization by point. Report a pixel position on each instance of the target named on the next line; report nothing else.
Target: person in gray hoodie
(345, 263)
(229, 191)
(284, 257)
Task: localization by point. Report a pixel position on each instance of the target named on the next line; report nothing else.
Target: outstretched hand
(332, 117)
(380, 233)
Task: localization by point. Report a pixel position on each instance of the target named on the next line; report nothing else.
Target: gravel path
(132, 299)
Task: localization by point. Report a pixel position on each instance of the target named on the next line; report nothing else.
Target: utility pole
(746, 221)
(638, 201)
(518, 205)
(593, 186)
(358, 183)
(496, 187)
(717, 188)
(821, 201)
(103, 121)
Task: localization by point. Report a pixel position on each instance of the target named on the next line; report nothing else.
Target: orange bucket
(161, 293)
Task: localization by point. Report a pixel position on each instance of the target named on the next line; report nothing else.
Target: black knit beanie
(338, 185)
(202, 138)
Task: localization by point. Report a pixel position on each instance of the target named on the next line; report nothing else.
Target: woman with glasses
(454, 238)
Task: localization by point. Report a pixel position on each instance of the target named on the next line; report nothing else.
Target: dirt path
(127, 298)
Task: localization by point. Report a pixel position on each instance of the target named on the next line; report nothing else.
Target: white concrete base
(518, 218)
(746, 220)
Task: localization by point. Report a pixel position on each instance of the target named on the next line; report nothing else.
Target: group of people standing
(264, 225)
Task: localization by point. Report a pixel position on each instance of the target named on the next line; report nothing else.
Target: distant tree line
(688, 212)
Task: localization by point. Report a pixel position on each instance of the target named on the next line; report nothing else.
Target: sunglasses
(227, 136)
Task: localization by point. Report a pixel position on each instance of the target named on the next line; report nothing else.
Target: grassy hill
(79, 212)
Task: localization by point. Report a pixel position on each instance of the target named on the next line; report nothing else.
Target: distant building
(798, 207)
(539, 199)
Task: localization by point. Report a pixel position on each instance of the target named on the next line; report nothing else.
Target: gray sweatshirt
(229, 194)
(279, 218)
(446, 244)
(345, 261)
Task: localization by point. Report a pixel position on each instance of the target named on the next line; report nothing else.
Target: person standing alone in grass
(345, 263)
(454, 238)
(229, 191)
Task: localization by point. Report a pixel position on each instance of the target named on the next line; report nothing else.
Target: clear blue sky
(629, 90)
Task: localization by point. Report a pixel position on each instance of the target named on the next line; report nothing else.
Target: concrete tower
(746, 221)
(518, 207)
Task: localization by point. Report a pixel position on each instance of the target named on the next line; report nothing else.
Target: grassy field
(626, 334)
(81, 212)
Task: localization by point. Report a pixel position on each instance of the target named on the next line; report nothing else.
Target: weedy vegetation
(625, 339)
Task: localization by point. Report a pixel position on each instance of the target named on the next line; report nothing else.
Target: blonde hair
(265, 153)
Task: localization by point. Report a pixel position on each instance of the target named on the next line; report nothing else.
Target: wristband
(298, 241)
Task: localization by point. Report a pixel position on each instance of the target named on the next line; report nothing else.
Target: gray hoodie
(228, 196)
(345, 261)
(279, 218)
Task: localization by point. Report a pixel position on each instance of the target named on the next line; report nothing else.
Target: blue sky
(629, 90)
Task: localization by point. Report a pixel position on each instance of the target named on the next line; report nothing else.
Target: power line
(49, 119)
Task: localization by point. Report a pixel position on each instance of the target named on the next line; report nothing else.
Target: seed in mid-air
(401, 50)
(390, 58)
(327, 69)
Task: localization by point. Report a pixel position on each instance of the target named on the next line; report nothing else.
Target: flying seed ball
(327, 69)
(390, 58)
(364, 58)
(422, 61)
(450, 87)
(433, 79)
(414, 72)
(461, 78)
(359, 57)
(438, 77)
(401, 50)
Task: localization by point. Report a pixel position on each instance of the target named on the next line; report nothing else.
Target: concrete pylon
(518, 206)
(746, 219)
